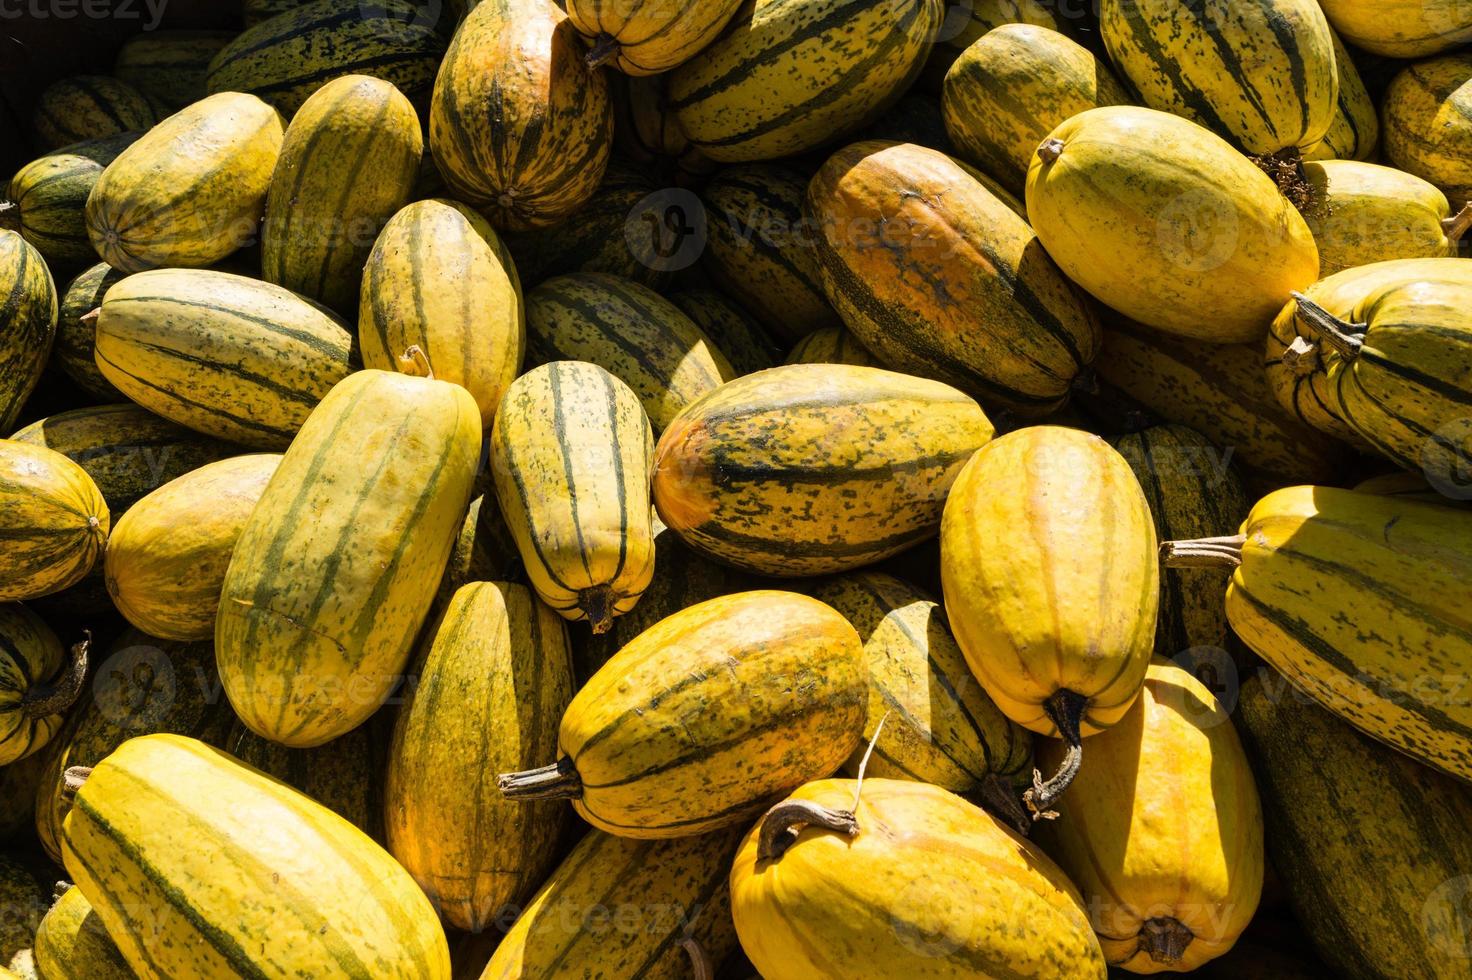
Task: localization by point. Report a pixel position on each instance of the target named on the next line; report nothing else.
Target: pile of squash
(799, 488)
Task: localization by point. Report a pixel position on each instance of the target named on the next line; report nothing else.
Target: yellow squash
(902, 880)
(570, 458)
(1408, 485)
(344, 775)
(53, 521)
(1354, 132)
(1367, 213)
(646, 39)
(73, 944)
(491, 687)
(1401, 28)
(191, 190)
(38, 682)
(1164, 830)
(292, 890)
(1168, 224)
(648, 135)
(89, 107)
(334, 571)
(47, 198)
(1051, 584)
(831, 345)
(439, 278)
(966, 23)
(1428, 123)
(704, 717)
(27, 324)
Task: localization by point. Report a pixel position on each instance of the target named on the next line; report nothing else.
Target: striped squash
(745, 342)
(491, 687)
(75, 349)
(1368, 213)
(484, 550)
(699, 721)
(307, 893)
(1010, 89)
(939, 725)
(961, 290)
(189, 191)
(344, 775)
(255, 11)
(166, 557)
(38, 682)
(1376, 888)
(348, 162)
(18, 783)
(1354, 132)
(789, 77)
(127, 451)
(72, 943)
(27, 322)
(902, 879)
(1051, 584)
(1193, 491)
(285, 58)
(677, 886)
(1306, 555)
(808, 469)
(335, 570)
(228, 356)
(439, 278)
(169, 66)
(646, 132)
(1166, 223)
(24, 905)
(571, 453)
(647, 39)
(520, 126)
(1165, 838)
(831, 345)
(90, 107)
(1401, 28)
(966, 23)
(630, 331)
(1428, 123)
(48, 198)
(1259, 73)
(53, 521)
(760, 249)
(142, 685)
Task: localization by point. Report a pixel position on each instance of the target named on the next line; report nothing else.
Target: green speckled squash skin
(1427, 112)
(75, 350)
(28, 311)
(171, 66)
(50, 197)
(746, 343)
(89, 107)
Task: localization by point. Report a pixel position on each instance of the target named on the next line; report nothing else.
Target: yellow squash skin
(170, 65)
(1427, 112)
(49, 196)
(832, 345)
(1368, 213)
(1407, 485)
(344, 775)
(1008, 91)
(293, 889)
(72, 943)
(31, 661)
(746, 343)
(334, 571)
(1354, 132)
(1050, 574)
(789, 77)
(939, 725)
(1166, 223)
(808, 469)
(28, 313)
(225, 355)
(674, 884)
(1164, 829)
(1259, 73)
(930, 886)
(630, 331)
(191, 190)
(166, 557)
(570, 459)
(1401, 28)
(519, 124)
(53, 521)
(965, 24)
(704, 718)
(933, 269)
(439, 278)
(348, 162)
(88, 107)
(492, 686)
(646, 39)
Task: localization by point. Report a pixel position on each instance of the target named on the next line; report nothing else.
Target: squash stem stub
(605, 49)
(1302, 357)
(54, 699)
(597, 604)
(10, 215)
(783, 822)
(559, 781)
(700, 965)
(1337, 333)
(1454, 227)
(1050, 150)
(1066, 710)
(1165, 940)
(1203, 552)
(71, 783)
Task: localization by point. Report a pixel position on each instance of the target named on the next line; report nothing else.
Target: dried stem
(1225, 552)
(1066, 710)
(53, 699)
(559, 781)
(1338, 334)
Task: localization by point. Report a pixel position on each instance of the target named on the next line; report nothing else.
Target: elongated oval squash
(228, 356)
(1011, 88)
(789, 77)
(344, 775)
(519, 125)
(1368, 213)
(1164, 831)
(1166, 223)
(632, 332)
(648, 39)
(570, 457)
(48, 198)
(492, 685)
(1428, 123)
(334, 571)
(439, 278)
(1051, 584)
(814, 468)
(166, 558)
(1401, 28)
(348, 162)
(933, 270)
(37, 682)
(964, 24)
(772, 693)
(285, 852)
(746, 343)
(191, 190)
(28, 326)
(170, 66)
(75, 349)
(53, 521)
(678, 887)
(912, 881)
(831, 345)
(73, 943)
(89, 107)
(1354, 132)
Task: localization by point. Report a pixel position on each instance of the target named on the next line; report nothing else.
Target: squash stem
(1302, 357)
(9, 215)
(90, 317)
(559, 781)
(1001, 801)
(1454, 227)
(1165, 939)
(597, 604)
(416, 362)
(1223, 552)
(605, 49)
(700, 965)
(71, 783)
(783, 822)
(1338, 334)
(1066, 710)
(1050, 150)
(53, 699)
